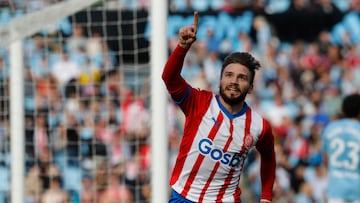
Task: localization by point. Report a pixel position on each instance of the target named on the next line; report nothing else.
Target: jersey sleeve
(265, 146)
(176, 85)
(189, 99)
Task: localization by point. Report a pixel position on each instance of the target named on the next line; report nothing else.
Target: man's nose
(234, 80)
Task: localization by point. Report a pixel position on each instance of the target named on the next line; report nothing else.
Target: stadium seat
(277, 6)
(72, 178)
(343, 5)
(337, 33)
(208, 22)
(216, 4)
(200, 5)
(4, 179)
(178, 5)
(5, 16)
(174, 23)
(351, 22)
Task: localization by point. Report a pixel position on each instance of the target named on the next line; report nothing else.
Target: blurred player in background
(220, 130)
(341, 146)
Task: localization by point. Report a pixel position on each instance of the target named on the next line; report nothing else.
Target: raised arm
(175, 84)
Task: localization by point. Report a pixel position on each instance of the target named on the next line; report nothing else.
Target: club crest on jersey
(206, 147)
(249, 140)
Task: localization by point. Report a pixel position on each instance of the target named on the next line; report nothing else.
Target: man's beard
(232, 101)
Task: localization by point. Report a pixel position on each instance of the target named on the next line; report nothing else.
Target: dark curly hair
(351, 106)
(245, 59)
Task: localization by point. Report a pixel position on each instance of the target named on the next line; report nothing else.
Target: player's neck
(232, 109)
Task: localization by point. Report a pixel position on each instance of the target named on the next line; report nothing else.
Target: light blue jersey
(341, 141)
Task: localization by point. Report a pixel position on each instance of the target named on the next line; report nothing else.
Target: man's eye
(243, 77)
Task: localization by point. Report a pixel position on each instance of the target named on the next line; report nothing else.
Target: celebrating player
(341, 146)
(220, 129)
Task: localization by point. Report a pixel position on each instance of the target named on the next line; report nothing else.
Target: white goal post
(159, 173)
(11, 36)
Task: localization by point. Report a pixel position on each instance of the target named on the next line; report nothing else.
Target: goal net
(86, 97)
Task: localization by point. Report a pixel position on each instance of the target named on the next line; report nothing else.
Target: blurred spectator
(254, 178)
(87, 193)
(103, 132)
(59, 143)
(296, 145)
(212, 66)
(135, 117)
(77, 41)
(116, 191)
(42, 171)
(119, 148)
(40, 68)
(263, 33)
(324, 42)
(99, 53)
(33, 185)
(82, 110)
(54, 193)
(191, 68)
(305, 193)
(277, 111)
(331, 102)
(242, 42)
(180, 5)
(4, 69)
(211, 41)
(65, 70)
(318, 182)
(41, 136)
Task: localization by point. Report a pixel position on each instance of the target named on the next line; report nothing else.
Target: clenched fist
(187, 34)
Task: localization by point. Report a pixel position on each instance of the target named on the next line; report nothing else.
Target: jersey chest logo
(206, 148)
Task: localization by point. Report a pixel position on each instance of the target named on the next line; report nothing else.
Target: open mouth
(233, 90)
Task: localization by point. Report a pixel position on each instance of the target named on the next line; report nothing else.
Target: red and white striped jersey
(215, 143)
(213, 149)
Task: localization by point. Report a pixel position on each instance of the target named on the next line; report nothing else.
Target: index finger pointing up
(196, 21)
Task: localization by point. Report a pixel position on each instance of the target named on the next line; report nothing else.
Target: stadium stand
(307, 69)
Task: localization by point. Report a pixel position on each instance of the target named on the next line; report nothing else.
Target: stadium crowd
(87, 130)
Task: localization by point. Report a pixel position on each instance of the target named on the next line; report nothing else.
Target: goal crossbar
(29, 24)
